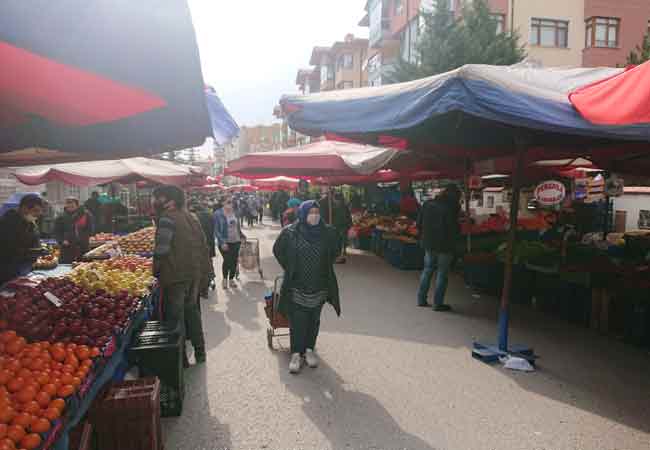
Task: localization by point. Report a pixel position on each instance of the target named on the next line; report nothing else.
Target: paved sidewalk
(394, 376)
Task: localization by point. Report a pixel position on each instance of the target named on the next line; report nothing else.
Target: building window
(490, 201)
(500, 19)
(399, 7)
(549, 33)
(602, 32)
(345, 61)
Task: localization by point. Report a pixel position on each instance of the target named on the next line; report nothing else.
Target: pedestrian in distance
(306, 251)
(73, 229)
(179, 263)
(229, 235)
(439, 231)
(342, 222)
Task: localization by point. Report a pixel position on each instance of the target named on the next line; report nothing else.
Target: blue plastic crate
(403, 255)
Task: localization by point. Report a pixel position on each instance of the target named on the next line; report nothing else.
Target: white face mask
(313, 219)
(31, 219)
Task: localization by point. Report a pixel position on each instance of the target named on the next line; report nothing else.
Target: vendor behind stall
(73, 229)
(19, 237)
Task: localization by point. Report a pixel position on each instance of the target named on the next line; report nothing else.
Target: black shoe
(423, 305)
(442, 308)
(199, 356)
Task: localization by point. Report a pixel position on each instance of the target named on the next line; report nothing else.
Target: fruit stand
(64, 334)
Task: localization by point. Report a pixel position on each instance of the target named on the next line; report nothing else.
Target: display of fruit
(46, 262)
(116, 275)
(82, 317)
(138, 242)
(35, 380)
(101, 238)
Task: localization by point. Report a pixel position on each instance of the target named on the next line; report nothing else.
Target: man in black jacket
(73, 229)
(439, 231)
(19, 237)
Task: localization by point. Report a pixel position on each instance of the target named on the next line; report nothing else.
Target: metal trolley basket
(249, 257)
(276, 319)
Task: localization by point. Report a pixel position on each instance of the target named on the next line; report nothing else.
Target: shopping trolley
(276, 319)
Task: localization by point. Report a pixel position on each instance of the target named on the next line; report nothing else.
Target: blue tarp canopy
(224, 127)
(473, 111)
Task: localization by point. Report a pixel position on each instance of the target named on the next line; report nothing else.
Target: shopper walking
(342, 221)
(73, 229)
(180, 252)
(439, 231)
(228, 232)
(306, 250)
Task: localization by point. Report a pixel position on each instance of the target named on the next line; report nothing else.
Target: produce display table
(404, 255)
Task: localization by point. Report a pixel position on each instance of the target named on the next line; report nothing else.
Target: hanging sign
(550, 193)
(475, 182)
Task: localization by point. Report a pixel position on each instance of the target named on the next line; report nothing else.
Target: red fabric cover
(63, 94)
(620, 100)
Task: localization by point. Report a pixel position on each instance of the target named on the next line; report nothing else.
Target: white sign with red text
(550, 193)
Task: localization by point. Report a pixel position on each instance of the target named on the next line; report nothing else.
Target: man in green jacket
(180, 256)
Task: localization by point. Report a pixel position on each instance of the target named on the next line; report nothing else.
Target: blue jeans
(433, 261)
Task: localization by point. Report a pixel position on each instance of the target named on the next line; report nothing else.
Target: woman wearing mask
(227, 230)
(306, 250)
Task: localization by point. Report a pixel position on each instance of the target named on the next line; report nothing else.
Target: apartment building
(341, 66)
(554, 32)
(261, 138)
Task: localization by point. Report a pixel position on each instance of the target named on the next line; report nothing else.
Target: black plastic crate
(161, 355)
(157, 327)
(171, 401)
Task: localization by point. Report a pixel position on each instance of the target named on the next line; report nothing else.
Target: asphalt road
(394, 376)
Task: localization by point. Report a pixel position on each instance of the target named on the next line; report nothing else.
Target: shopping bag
(248, 255)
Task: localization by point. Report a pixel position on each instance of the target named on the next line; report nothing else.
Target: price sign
(550, 193)
(53, 299)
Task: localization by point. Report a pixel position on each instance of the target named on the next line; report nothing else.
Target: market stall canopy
(277, 184)
(475, 111)
(382, 176)
(224, 127)
(94, 173)
(242, 188)
(208, 188)
(98, 80)
(320, 159)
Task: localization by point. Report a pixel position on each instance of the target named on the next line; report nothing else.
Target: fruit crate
(160, 354)
(403, 255)
(157, 326)
(128, 416)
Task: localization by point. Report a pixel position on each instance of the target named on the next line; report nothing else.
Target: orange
(44, 344)
(15, 347)
(43, 399)
(3, 430)
(7, 336)
(65, 391)
(76, 382)
(56, 382)
(72, 360)
(37, 364)
(55, 374)
(68, 368)
(94, 352)
(43, 378)
(58, 404)
(40, 425)
(13, 365)
(82, 352)
(26, 394)
(51, 414)
(31, 408)
(5, 376)
(16, 433)
(66, 378)
(7, 444)
(30, 441)
(22, 419)
(81, 373)
(58, 353)
(16, 384)
(7, 414)
(71, 346)
(24, 373)
(49, 389)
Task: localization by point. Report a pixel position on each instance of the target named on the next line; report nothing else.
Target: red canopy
(101, 172)
(242, 188)
(277, 184)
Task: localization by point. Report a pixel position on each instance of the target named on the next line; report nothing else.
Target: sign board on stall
(550, 193)
(475, 182)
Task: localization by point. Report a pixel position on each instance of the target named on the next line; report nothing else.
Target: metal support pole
(468, 197)
(504, 312)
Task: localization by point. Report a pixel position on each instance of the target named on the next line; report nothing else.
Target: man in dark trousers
(73, 229)
(179, 263)
(439, 231)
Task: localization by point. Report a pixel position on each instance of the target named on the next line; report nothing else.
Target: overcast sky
(252, 49)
